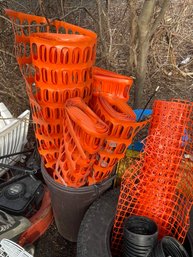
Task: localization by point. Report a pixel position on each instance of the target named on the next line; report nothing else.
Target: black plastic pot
(70, 204)
(168, 246)
(140, 236)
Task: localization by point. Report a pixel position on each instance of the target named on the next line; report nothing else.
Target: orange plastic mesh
(72, 165)
(58, 67)
(61, 63)
(55, 68)
(89, 128)
(107, 83)
(160, 185)
(84, 135)
(122, 129)
(24, 25)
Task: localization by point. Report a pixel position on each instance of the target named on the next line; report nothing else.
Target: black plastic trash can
(70, 204)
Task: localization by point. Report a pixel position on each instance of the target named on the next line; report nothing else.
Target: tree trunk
(141, 74)
(147, 25)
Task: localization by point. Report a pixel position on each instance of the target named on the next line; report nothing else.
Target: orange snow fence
(160, 186)
(56, 62)
(84, 135)
(122, 129)
(107, 83)
(83, 124)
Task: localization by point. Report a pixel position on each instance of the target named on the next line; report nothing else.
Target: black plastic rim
(171, 247)
(140, 225)
(140, 236)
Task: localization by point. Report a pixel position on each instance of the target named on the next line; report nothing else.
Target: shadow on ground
(52, 244)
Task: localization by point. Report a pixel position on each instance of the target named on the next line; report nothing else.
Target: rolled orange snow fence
(24, 25)
(89, 128)
(80, 146)
(56, 66)
(63, 69)
(84, 136)
(62, 62)
(160, 186)
(122, 128)
(107, 83)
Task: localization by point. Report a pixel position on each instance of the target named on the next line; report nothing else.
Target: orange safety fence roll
(90, 129)
(84, 135)
(26, 24)
(122, 129)
(115, 113)
(56, 60)
(61, 62)
(107, 83)
(160, 185)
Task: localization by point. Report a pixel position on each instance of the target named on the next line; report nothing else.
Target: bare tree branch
(145, 18)
(101, 24)
(10, 54)
(133, 36)
(160, 16)
(62, 6)
(75, 10)
(42, 9)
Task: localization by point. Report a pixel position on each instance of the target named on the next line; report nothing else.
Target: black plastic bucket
(70, 204)
(140, 236)
(169, 246)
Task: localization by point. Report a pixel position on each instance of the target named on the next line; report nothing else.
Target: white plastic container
(10, 249)
(5, 115)
(13, 135)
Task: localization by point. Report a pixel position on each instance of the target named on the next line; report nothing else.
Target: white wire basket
(10, 249)
(13, 135)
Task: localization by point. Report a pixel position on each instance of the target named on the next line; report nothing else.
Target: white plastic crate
(13, 135)
(11, 249)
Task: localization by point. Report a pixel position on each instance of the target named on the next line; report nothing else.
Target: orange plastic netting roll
(160, 186)
(122, 129)
(84, 136)
(107, 83)
(56, 62)
(80, 146)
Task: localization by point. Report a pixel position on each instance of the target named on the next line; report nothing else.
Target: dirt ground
(54, 245)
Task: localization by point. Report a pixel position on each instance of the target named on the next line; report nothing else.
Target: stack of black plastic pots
(141, 240)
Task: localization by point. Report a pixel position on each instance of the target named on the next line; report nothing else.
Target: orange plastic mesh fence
(84, 135)
(55, 67)
(89, 128)
(61, 62)
(24, 25)
(59, 67)
(122, 129)
(107, 83)
(160, 186)
(115, 113)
